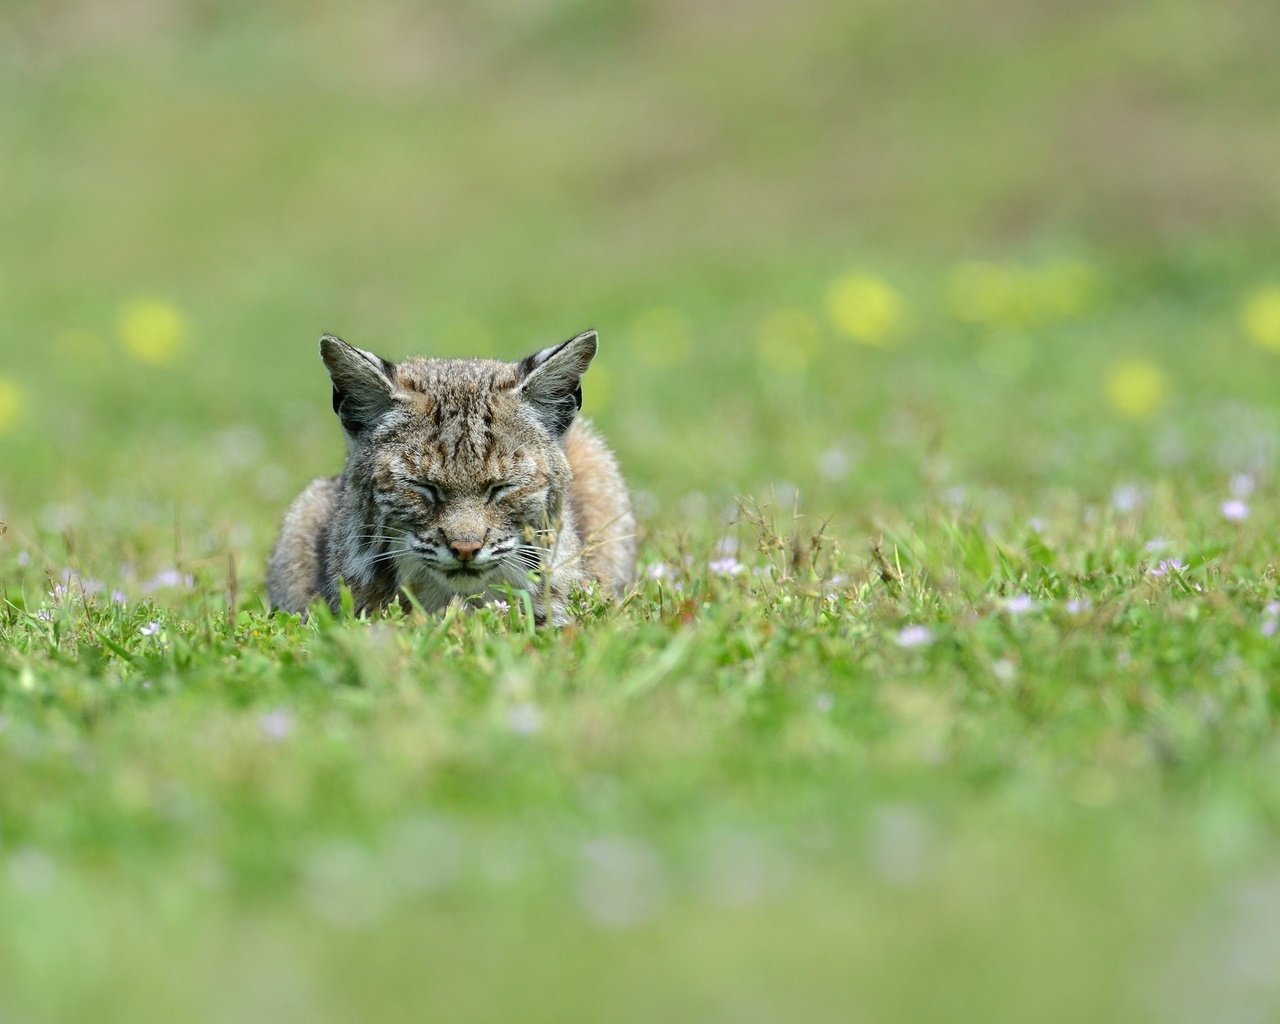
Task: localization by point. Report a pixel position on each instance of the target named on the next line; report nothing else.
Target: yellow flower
(1260, 318)
(865, 308)
(1136, 388)
(788, 340)
(12, 404)
(991, 295)
(662, 337)
(152, 331)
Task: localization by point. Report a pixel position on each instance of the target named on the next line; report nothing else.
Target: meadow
(941, 346)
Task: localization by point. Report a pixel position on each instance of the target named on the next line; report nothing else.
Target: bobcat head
(457, 467)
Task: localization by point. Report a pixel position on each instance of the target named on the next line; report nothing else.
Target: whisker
(382, 536)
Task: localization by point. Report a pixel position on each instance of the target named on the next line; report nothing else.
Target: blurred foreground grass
(984, 292)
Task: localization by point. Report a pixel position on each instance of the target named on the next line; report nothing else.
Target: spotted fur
(464, 478)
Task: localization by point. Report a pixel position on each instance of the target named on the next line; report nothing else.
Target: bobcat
(463, 477)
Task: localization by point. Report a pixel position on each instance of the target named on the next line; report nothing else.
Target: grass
(948, 691)
(744, 786)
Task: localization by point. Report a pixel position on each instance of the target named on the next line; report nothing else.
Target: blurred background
(865, 250)
(939, 271)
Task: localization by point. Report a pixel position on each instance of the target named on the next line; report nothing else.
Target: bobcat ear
(362, 383)
(552, 381)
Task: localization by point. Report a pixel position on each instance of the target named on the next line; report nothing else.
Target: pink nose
(464, 550)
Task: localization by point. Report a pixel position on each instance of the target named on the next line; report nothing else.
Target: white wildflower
(277, 725)
(915, 636)
(168, 579)
(834, 464)
(1235, 510)
(524, 719)
(1127, 498)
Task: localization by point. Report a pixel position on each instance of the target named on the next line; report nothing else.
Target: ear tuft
(362, 383)
(553, 380)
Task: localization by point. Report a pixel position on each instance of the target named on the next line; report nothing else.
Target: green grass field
(941, 345)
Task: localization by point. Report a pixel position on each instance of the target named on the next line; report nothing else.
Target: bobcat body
(465, 479)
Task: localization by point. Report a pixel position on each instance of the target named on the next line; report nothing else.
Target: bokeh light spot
(152, 331)
(12, 404)
(1016, 298)
(866, 309)
(1136, 388)
(1260, 318)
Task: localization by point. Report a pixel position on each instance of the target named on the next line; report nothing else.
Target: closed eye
(427, 489)
(497, 489)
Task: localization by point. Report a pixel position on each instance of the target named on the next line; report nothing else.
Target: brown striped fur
(464, 478)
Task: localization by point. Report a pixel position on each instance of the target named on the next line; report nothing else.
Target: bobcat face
(466, 528)
(460, 464)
